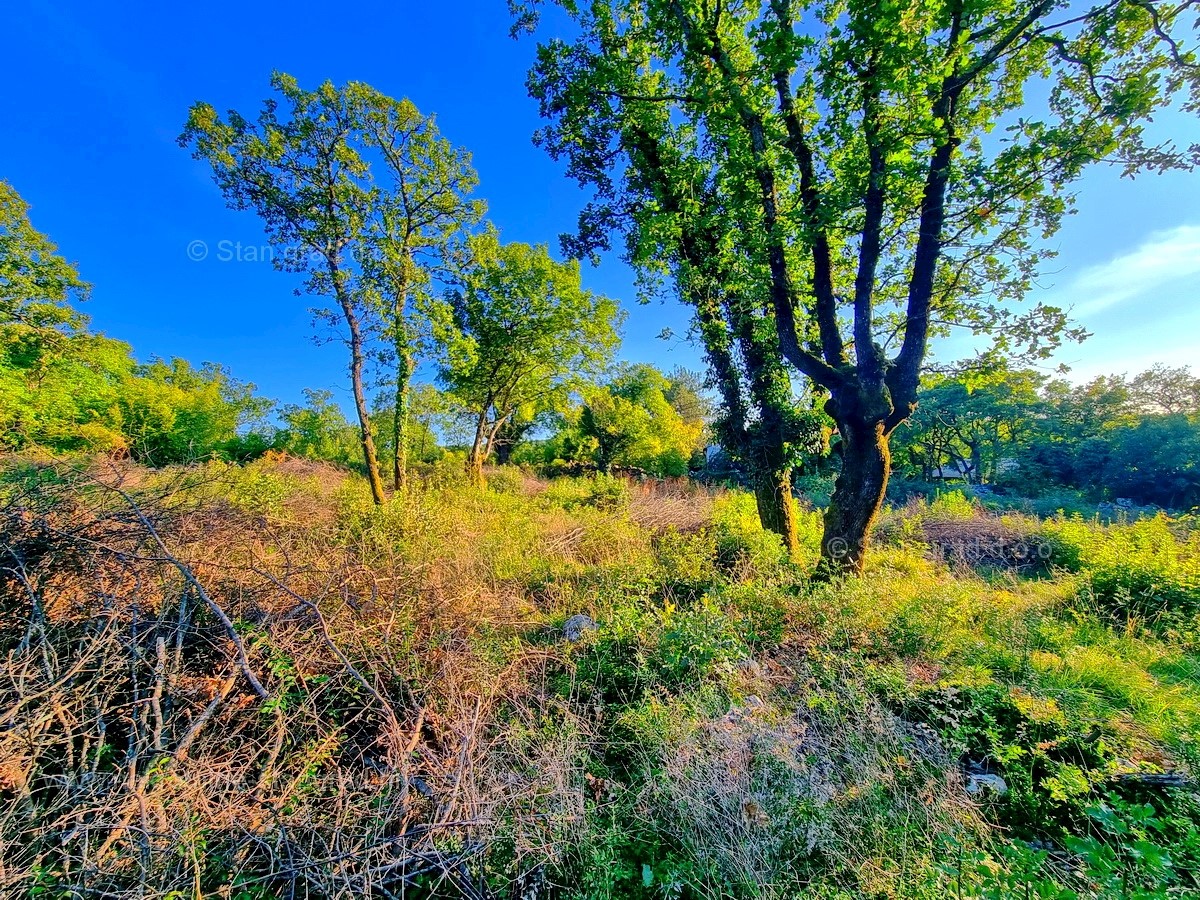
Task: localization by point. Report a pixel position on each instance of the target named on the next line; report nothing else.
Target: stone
(750, 667)
(983, 784)
(576, 626)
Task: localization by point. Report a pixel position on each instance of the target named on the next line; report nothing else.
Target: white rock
(981, 784)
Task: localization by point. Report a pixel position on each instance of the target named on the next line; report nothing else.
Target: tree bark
(370, 458)
(476, 456)
(400, 417)
(777, 506)
(404, 367)
(857, 496)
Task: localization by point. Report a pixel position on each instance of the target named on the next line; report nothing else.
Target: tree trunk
(400, 418)
(404, 367)
(370, 458)
(476, 456)
(857, 497)
(777, 506)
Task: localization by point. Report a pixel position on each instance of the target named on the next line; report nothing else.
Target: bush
(742, 545)
(1141, 570)
(506, 480)
(605, 492)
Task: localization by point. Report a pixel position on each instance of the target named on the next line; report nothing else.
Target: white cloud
(1164, 260)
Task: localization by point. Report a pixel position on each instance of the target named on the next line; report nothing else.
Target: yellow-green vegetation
(252, 681)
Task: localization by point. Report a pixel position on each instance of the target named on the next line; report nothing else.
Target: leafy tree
(63, 394)
(631, 421)
(973, 420)
(422, 208)
(1155, 461)
(431, 414)
(174, 413)
(519, 332)
(317, 430)
(37, 285)
(353, 187)
(845, 150)
(1073, 427)
(1166, 390)
(689, 396)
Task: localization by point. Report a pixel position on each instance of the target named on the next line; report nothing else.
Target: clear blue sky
(97, 94)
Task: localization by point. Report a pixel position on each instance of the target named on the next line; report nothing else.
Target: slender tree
(359, 192)
(423, 206)
(881, 171)
(306, 177)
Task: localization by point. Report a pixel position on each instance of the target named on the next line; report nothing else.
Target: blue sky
(98, 93)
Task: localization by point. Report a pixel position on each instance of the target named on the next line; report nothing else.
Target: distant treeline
(1115, 436)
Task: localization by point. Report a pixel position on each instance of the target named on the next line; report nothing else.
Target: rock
(983, 784)
(576, 626)
(750, 667)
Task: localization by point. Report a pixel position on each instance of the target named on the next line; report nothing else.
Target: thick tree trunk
(857, 497)
(777, 506)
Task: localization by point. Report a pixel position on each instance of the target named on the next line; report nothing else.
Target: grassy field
(250, 682)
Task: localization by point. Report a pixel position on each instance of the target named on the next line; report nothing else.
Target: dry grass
(679, 503)
(143, 616)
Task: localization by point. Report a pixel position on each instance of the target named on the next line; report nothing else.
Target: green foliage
(767, 157)
(600, 491)
(317, 430)
(1113, 437)
(631, 421)
(1139, 571)
(67, 389)
(506, 480)
(338, 180)
(744, 545)
(37, 285)
(519, 333)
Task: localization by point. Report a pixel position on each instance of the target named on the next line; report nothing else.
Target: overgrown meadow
(252, 682)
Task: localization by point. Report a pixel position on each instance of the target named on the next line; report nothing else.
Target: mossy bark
(777, 506)
(857, 497)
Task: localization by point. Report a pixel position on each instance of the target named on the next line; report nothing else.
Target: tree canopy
(881, 172)
(358, 192)
(519, 332)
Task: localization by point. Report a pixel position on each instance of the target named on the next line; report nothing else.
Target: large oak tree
(872, 173)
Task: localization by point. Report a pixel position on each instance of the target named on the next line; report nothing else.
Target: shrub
(1141, 570)
(742, 545)
(605, 492)
(506, 480)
